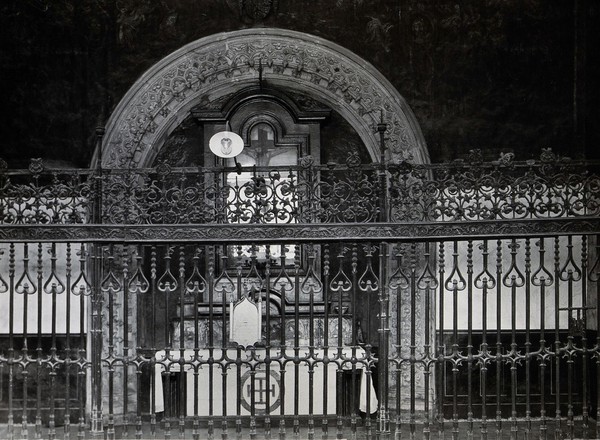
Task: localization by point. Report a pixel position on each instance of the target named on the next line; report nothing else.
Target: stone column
(412, 284)
(119, 334)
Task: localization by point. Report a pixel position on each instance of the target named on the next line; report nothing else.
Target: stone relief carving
(307, 66)
(253, 9)
(257, 9)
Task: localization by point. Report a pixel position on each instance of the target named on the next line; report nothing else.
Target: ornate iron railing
(467, 336)
(471, 189)
(463, 295)
(466, 190)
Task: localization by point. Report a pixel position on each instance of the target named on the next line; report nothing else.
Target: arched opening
(205, 71)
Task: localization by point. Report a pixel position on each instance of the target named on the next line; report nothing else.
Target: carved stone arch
(207, 69)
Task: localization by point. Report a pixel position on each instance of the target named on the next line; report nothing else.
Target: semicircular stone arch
(207, 69)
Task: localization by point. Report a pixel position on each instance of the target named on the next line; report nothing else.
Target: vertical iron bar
(366, 376)
(340, 353)
(182, 363)
(527, 339)
(140, 291)
(252, 430)
(39, 349)
(513, 344)
(67, 351)
(326, 299)
(296, 339)
(153, 384)
(97, 429)
(82, 353)
(570, 339)
(398, 355)
(311, 348)
(353, 415)
(238, 420)
(110, 431)
(251, 293)
(455, 346)
(543, 349)
(25, 349)
(11, 336)
(53, 350)
(283, 355)
(470, 339)
(584, 341)
(383, 428)
(484, 360)
(211, 345)
(429, 284)
(383, 183)
(441, 379)
(167, 288)
(198, 291)
(499, 356)
(224, 366)
(571, 350)
(557, 348)
(125, 263)
(25, 355)
(413, 336)
(140, 388)
(267, 424)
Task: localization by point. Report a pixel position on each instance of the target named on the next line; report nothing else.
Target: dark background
(500, 75)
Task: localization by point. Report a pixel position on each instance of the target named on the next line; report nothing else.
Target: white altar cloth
(277, 389)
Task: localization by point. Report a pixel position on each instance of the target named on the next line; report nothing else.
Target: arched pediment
(253, 93)
(209, 68)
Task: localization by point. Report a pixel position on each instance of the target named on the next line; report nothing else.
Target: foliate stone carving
(257, 9)
(36, 166)
(307, 65)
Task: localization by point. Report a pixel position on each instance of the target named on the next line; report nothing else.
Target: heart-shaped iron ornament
(226, 144)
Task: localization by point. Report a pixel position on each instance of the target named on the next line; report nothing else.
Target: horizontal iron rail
(458, 164)
(228, 233)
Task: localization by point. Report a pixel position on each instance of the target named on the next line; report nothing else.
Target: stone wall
(497, 75)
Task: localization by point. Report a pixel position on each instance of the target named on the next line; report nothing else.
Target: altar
(246, 380)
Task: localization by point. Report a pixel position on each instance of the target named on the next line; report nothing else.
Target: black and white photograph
(300, 219)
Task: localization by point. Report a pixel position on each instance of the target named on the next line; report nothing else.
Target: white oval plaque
(226, 144)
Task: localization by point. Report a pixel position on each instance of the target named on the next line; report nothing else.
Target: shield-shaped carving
(257, 9)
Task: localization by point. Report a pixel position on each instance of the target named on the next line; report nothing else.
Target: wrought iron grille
(464, 190)
(455, 300)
